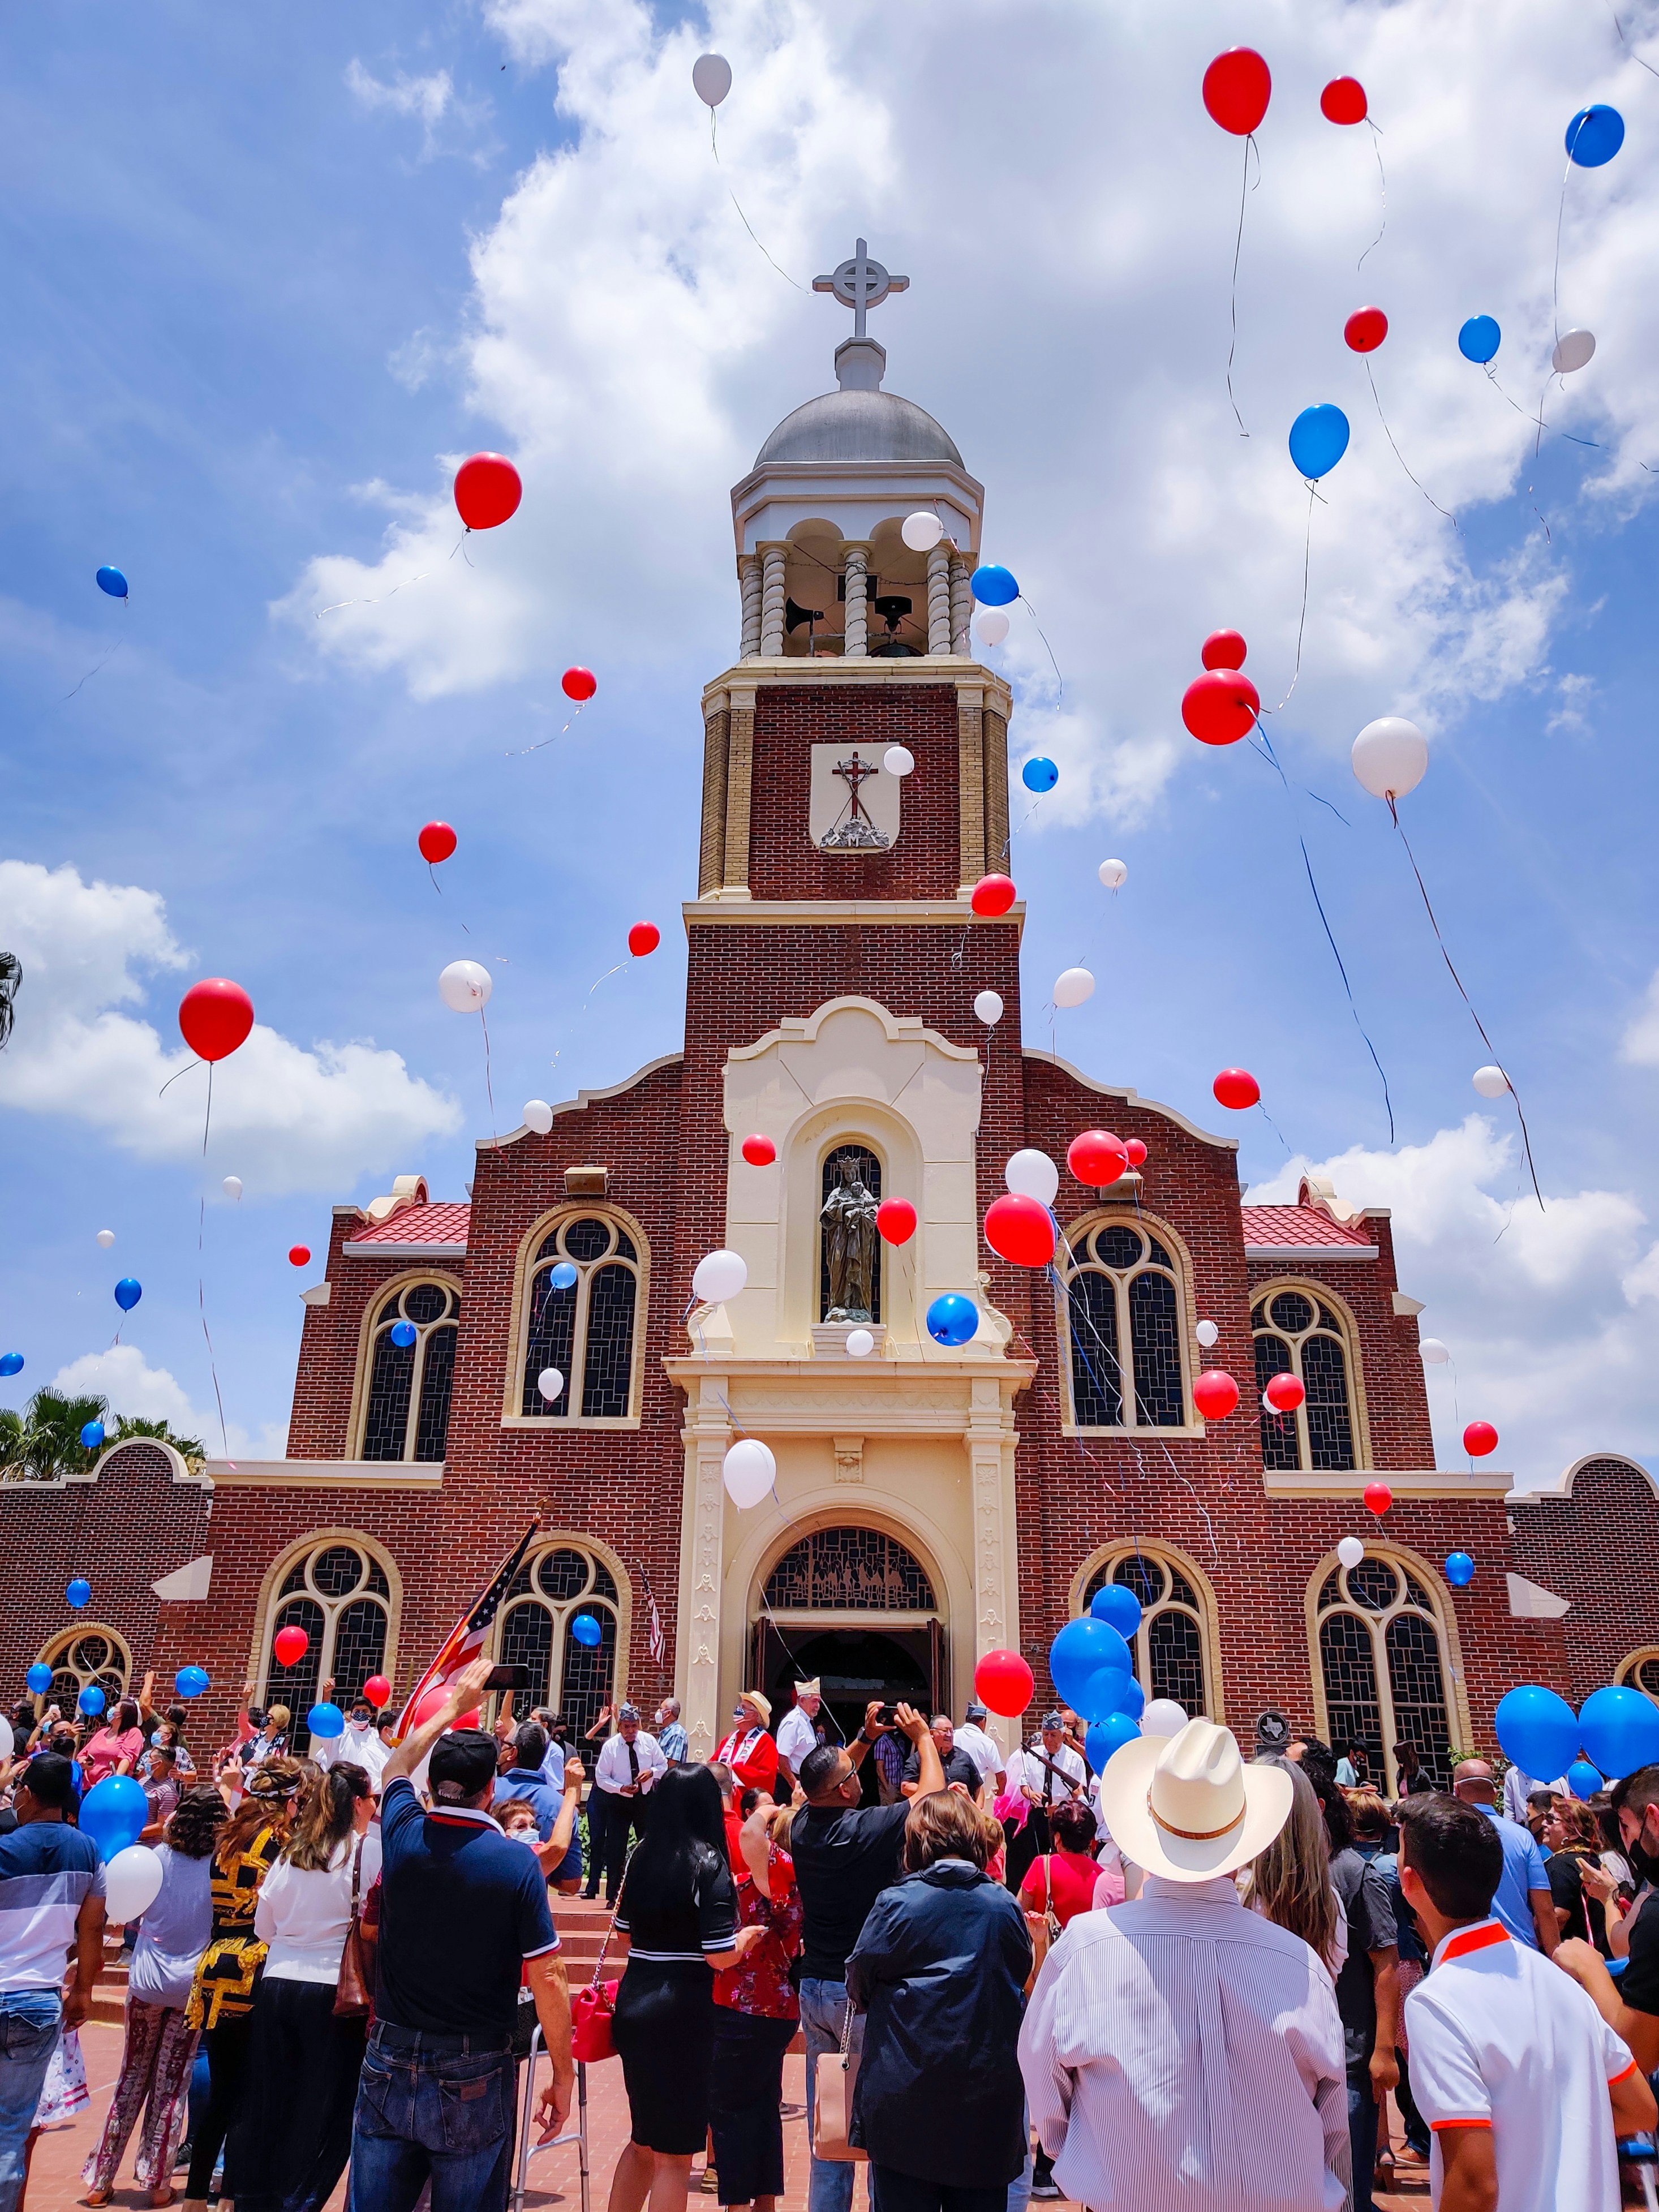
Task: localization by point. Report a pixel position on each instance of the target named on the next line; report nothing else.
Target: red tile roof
(441, 1223)
(1300, 1229)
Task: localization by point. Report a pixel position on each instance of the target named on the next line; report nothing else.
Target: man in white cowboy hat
(798, 1731)
(1183, 2051)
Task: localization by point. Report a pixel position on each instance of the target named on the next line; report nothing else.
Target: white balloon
(711, 78)
(550, 1383)
(466, 986)
(538, 1115)
(1206, 1333)
(232, 1186)
(1491, 1082)
(1163, 1717)
(921, 531)
(106, 1237)
(1032, 1174)
(1433, 1352)
(1390, 757)
(988, 1007)
(992, 627)
(1114, 875)
(1073, 986)
(898, 760)
(859, 1343)
(720, 1276)
(132, 1882)
(1351, 1551)
(1573, 349)
(749, 1471)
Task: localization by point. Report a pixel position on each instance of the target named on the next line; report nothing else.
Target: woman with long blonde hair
(1291, 1883)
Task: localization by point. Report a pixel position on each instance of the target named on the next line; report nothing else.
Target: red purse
(592, 2010)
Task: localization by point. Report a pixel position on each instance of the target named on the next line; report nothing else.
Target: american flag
(654, 1637)
(465, 1641)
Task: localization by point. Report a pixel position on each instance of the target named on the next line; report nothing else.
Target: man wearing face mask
(358, 1742)
(1630, 2005)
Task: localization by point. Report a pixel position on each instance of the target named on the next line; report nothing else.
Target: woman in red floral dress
(756, 2017)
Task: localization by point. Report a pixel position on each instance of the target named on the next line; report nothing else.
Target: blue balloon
(190, 1681)
(1479, 338)
(993, 586)
(1459, 1570)
(113, 1813)
(11, 1363)
(585, 1630)
(39, 1677)
(403, 1334)
(93, 1435)
(1103, 1693)
(1595, 135)
(1583, 1779)
(79, 1592)
(1083, 1649)
(112, 582)
(563, 1277)
(1319, 438)
(952, 1319)
(92, 1700)
(1039, 774)
(1133, 1700)
(326, 1721)
(1121, 1607)
(128, 1291)
(1537, 1731)
(1108, 1736)
(1619, 1727)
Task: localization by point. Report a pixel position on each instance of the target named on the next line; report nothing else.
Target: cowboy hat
(1187, 1807)
(762, 1705)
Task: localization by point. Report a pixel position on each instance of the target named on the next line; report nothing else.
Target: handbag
(834, 2080)
(594, 2009)
(1044, 1926)
(354, 1989)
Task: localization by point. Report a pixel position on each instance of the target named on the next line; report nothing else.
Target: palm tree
(43, 1443)
(190, 1450)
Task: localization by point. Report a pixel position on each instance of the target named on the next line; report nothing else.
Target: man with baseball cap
(1183, 2050)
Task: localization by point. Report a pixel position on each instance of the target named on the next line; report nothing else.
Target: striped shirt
(47, 1871)
(1181, 2054)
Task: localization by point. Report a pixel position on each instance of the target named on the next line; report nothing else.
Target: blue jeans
(437, 2107)
(822, 2009)
(29, 2024)
(1362, 2114)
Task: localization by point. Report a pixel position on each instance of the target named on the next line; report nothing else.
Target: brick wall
(1595, 1547)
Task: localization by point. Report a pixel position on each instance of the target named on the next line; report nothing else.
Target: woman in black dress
(678, 1911)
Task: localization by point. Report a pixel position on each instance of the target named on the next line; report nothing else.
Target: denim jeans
(29, 2024)
(437, 2107)
(822, 2009)
(1362, 2114)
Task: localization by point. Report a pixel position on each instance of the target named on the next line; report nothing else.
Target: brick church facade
(931, 1502)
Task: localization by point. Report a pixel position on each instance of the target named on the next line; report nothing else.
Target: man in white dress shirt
(1183, 2054)
(1042, 1776)
(628, 1762)
(798, 1733)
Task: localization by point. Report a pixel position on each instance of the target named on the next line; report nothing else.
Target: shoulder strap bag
(354, 1991)
(594, 2009)
(835, 2080)
(1044, 1926)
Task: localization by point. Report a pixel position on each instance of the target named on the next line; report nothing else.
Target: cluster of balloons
(1221, 706)
(1616, 1728)
(1092, 1669)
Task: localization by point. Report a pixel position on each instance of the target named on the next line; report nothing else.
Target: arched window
(582, 1304)
(850, 1169)
(406, 1409)
(1297, 1333)
(1641, 1672)
(1383, 1663)
(1123, 1315)
(850, 1570)
(85, 1658)
(550, 1590)
(339, 1595)
(1171, 1645)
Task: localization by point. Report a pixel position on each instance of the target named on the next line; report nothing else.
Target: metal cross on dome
(860, 283)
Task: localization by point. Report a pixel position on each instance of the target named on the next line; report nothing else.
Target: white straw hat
(1188, 1807)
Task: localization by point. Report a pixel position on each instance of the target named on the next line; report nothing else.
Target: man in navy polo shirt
(463, 1918)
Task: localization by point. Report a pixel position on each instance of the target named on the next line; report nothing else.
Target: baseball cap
(462, 1765)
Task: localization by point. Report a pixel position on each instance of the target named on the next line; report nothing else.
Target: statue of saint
(848, 1216)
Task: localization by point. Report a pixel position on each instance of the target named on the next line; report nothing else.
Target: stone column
(740, 765)
(772, 598)
(990, 1447)
(707, 1434)
(855, 644)
(970, 786)
(996, 791)
(749, 571)
(961, 606)
(938, 598)
(716, 740)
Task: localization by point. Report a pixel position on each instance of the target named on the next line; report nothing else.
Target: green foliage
(43, 1443)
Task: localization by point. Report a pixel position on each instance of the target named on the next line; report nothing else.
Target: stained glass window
(1295, 1336)
(867, 1168)
(575, 1679)
(85, 1659)
(1123, 1289)
(850, 1569)
(339, 1595)
(1641, 1671)
(1168, 1646)
(1383, 1663)
(586, 1330)
(406, 1416)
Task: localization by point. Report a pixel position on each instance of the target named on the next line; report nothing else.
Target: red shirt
(1068, 1876)
(752, 1756)
(761, 1983)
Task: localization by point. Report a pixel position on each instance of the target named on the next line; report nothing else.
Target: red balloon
(1003, 1681)
(215, 1016)
(299, 1256)
(1221, 707)
(1237, 88)
(896, 1219)
(1480, 1438)
(993, 894)
(1366, 330)
(1020, 1229)
(437, 842)
(1284, 1394)
(1343, 101)
(578, 683)
(290, 1646)
(1237, 1087)
(433, 1704)
(488, 489)
(759, 1151)
(1223, 648)
(1098, 1158)
(644, 937)
(1378, 1497)
(1215, 1394)
(378, 1691)
(1135, 1153)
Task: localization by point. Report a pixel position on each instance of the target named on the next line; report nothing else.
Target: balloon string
(1428, 909)
(582, 1009)
(1377, 147)
(1401, 458)
(1048, 648)
(172, 1079)
(521, 750)
(1626, 45)
(714, 148)
(1301, 619)
(1238, 248)
(201, 1288)
(93, 671)
(489, 1088)
(341, 604)
(1555, 279)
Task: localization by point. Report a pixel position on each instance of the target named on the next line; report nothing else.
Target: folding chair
(579, 2136)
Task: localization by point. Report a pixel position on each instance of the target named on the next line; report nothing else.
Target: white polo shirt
(798, 1733)
(985, 1754)
(1501, 2039)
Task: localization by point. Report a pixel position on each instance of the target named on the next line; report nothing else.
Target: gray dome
(858, 426)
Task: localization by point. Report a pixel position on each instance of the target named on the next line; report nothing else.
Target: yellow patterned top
(223, 1988)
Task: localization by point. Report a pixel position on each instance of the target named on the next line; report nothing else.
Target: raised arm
(465, 1691)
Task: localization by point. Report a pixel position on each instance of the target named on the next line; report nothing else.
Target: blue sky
(269, 279)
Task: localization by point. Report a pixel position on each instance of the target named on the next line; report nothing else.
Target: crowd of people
(1192, 1980)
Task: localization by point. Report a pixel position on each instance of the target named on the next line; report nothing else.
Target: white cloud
(1640, 1043)
(427, 97)
(133, 1387)
(284, 1118)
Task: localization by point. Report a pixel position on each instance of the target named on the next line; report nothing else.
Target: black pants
(226, 2047)
(1027, 1844)
(293, 2134)
(599, 1802)
(621, 1819)
(892, 2191)
(747, 2096)
(1417, 2128)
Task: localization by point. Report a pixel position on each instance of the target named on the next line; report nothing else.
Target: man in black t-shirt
(845, 1856)
(1630, 2005)
(957, 1765)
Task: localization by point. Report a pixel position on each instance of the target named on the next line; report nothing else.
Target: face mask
(1642, 1856)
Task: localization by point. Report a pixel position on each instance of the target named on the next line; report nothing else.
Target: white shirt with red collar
(1501, 2039)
